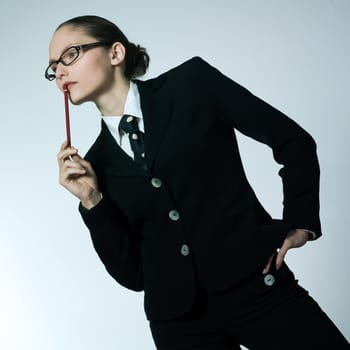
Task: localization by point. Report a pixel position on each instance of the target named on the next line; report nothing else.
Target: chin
(76, 100)
(77, 103)
(77, 97)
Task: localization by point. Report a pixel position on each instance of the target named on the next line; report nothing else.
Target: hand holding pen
(75, 173)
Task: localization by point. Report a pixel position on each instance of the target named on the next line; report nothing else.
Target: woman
(169, 209)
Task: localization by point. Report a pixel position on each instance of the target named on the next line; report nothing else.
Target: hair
(136, 57)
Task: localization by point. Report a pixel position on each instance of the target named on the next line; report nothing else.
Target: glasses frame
(52, 77)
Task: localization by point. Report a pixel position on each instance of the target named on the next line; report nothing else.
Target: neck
(113, 101)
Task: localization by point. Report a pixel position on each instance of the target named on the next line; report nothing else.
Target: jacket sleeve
(115, 243)
(291, 145)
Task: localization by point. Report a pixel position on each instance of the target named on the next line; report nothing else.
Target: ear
(117, 54)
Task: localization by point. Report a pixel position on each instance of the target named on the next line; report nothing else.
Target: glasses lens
(50, 72)
(70, 55)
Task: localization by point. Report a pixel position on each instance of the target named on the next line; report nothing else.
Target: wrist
(92, 200)
(311, 234)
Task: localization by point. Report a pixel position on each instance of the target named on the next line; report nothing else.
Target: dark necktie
(129, 124)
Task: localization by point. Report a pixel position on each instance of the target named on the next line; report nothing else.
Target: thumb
(281, 255)
(76, 157)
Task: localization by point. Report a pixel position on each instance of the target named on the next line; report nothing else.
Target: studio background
(54, 291)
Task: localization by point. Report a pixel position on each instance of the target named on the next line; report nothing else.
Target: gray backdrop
(54, 292)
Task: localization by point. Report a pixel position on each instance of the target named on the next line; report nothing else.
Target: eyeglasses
(69, 56)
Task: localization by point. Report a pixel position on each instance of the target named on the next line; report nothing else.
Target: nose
(61, 71)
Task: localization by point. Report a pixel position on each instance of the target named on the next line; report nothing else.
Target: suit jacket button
(269, 279)
(174, 215)
(185, 250)
(156, 182)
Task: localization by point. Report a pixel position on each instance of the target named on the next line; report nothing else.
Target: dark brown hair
(136, 57)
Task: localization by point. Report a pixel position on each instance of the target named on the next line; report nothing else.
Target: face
(91, 75)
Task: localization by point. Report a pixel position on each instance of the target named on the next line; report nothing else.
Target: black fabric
(260, 317)
(190, 115)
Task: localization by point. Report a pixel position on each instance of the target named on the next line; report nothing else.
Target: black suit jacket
(190, 114)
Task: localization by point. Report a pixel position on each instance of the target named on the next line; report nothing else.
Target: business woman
(167, 203)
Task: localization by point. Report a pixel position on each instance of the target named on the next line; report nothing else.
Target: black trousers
(262, 313)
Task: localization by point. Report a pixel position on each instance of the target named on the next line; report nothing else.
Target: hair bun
(137, 61)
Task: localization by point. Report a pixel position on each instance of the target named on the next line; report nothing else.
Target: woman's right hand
(78, 176)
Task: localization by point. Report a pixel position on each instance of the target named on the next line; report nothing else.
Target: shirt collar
(132, 103)
(132, 107)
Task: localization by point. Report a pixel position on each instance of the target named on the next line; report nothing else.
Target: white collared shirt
(132, 107)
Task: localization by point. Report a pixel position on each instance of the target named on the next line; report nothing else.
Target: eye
(70, 55)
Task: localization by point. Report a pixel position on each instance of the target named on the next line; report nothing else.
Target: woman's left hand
(294, 239)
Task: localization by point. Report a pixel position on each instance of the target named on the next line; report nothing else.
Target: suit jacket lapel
(156, 111)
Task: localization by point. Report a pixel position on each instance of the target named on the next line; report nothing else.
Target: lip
(68, 84)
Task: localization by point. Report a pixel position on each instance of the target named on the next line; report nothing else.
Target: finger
(70, 174)
(281, 255)
(66, 153)
(77, 158)
(64, 145)
(72, 164)
(84, 163)
(268, 265)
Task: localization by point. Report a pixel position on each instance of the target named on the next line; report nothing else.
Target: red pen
(66, 105)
